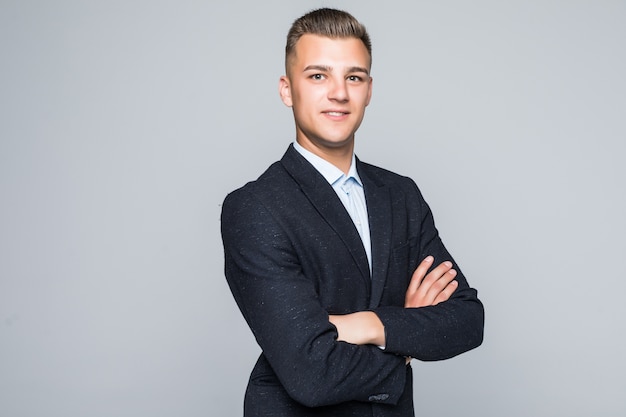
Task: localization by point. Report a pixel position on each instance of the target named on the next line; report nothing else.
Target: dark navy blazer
(293, 256)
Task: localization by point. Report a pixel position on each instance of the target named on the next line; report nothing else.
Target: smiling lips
(336, 113)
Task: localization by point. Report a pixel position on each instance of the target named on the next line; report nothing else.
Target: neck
(340, 156)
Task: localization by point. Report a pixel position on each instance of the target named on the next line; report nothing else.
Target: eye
(317, 77)
(355, 78)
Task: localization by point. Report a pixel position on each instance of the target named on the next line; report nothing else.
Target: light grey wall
(123, 124)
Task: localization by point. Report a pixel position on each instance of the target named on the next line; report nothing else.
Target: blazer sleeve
(434, 332)
(281, 307)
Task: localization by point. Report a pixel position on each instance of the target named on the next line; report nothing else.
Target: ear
(284, 89)
(369, 92)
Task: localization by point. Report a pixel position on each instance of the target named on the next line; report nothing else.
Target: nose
(338, 90)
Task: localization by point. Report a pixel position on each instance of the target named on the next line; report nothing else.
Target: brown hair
(331, 23)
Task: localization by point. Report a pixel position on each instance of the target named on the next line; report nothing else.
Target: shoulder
(272, 185)
(273, 174)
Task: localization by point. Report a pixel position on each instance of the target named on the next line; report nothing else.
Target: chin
(337, 142)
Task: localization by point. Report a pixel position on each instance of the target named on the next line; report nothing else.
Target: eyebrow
(327, 68)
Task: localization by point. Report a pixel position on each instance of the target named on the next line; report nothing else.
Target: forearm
(360, 328)
(430, 326)
(434, 332)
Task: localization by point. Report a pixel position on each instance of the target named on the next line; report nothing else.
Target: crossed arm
(287, 315)
(425, 289)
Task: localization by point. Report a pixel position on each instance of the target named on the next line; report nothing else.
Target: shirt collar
(331, 173)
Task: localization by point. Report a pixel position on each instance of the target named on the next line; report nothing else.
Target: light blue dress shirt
(349, 189)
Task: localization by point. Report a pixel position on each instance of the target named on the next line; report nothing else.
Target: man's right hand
(432, 288)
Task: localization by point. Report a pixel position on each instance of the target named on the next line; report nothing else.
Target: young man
(335, 264)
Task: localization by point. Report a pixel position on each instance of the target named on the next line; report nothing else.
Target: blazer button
(378, 397)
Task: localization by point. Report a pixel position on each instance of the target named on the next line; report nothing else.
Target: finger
(446, 293)
(419, 274)
(424, 291)
(437, 272)
(438, 284)
(431, 280)
(421, 292)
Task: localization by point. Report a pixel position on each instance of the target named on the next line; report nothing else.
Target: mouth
(334, 113)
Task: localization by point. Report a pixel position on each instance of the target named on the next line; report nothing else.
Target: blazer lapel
(327, 203)
(379, 213)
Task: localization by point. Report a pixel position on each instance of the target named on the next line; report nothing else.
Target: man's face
(328, 86)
